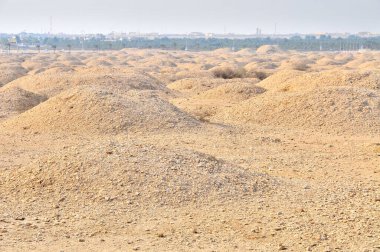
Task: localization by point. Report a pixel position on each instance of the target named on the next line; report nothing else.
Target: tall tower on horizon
(275, 29)
(51, 25)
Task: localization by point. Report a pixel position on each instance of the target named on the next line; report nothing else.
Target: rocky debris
(138, 173)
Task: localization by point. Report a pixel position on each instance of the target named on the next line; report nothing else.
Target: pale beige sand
(147, 150)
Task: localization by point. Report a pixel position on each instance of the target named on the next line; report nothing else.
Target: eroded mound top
(51, 84)
(94, 109)
(268, 49)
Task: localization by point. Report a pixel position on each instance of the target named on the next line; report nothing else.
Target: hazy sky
(171, 16)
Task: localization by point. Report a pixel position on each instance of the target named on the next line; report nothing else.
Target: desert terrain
(153, 150)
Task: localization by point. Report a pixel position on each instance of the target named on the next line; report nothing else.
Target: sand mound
(68, 57)
(334, 109)
(246, 51)
(296, 81)
(222, 51)
(157, 62)
(236, 91)
(268, 49)
(11, 58)
(260, 66)
(37, 71)
(98, 62)
(277, 80)
(190, 75)
(196, 86)
(344, 58)
(14, 101)
(208, 103)
(34, 65)
(296, 64)
(131, 174)
(51, 83)
(325, 61)
(371, 65)
(90, 109)
(10, 72)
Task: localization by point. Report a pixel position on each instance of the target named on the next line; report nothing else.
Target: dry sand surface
(151, 150)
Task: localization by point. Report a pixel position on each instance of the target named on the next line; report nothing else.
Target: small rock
(81, 240)
(323, 237)
(282, 247)
(161, 235)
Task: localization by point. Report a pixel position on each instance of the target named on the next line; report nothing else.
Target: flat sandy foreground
(182, 151)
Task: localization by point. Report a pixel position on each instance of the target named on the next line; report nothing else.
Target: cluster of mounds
(40, 61)
(217, 96)
(333, 101)
(101, 146)
(297, 81)
(91, 100)
(102, 110)
(130, 173)
(206, 84)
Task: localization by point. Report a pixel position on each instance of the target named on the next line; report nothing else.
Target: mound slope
(196, 86)
(90, 109)
(236, 91)
(14, 101)
(297, 81)
(333, 109)
(246, 51)
(268, 49)
(10, 72)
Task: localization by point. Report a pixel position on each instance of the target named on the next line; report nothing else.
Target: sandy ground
(146, 150)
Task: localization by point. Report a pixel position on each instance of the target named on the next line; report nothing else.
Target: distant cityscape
(194, 41)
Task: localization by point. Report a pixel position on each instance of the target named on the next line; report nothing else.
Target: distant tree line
(308, 43)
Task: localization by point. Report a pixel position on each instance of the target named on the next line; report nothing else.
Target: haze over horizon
(170, 16)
